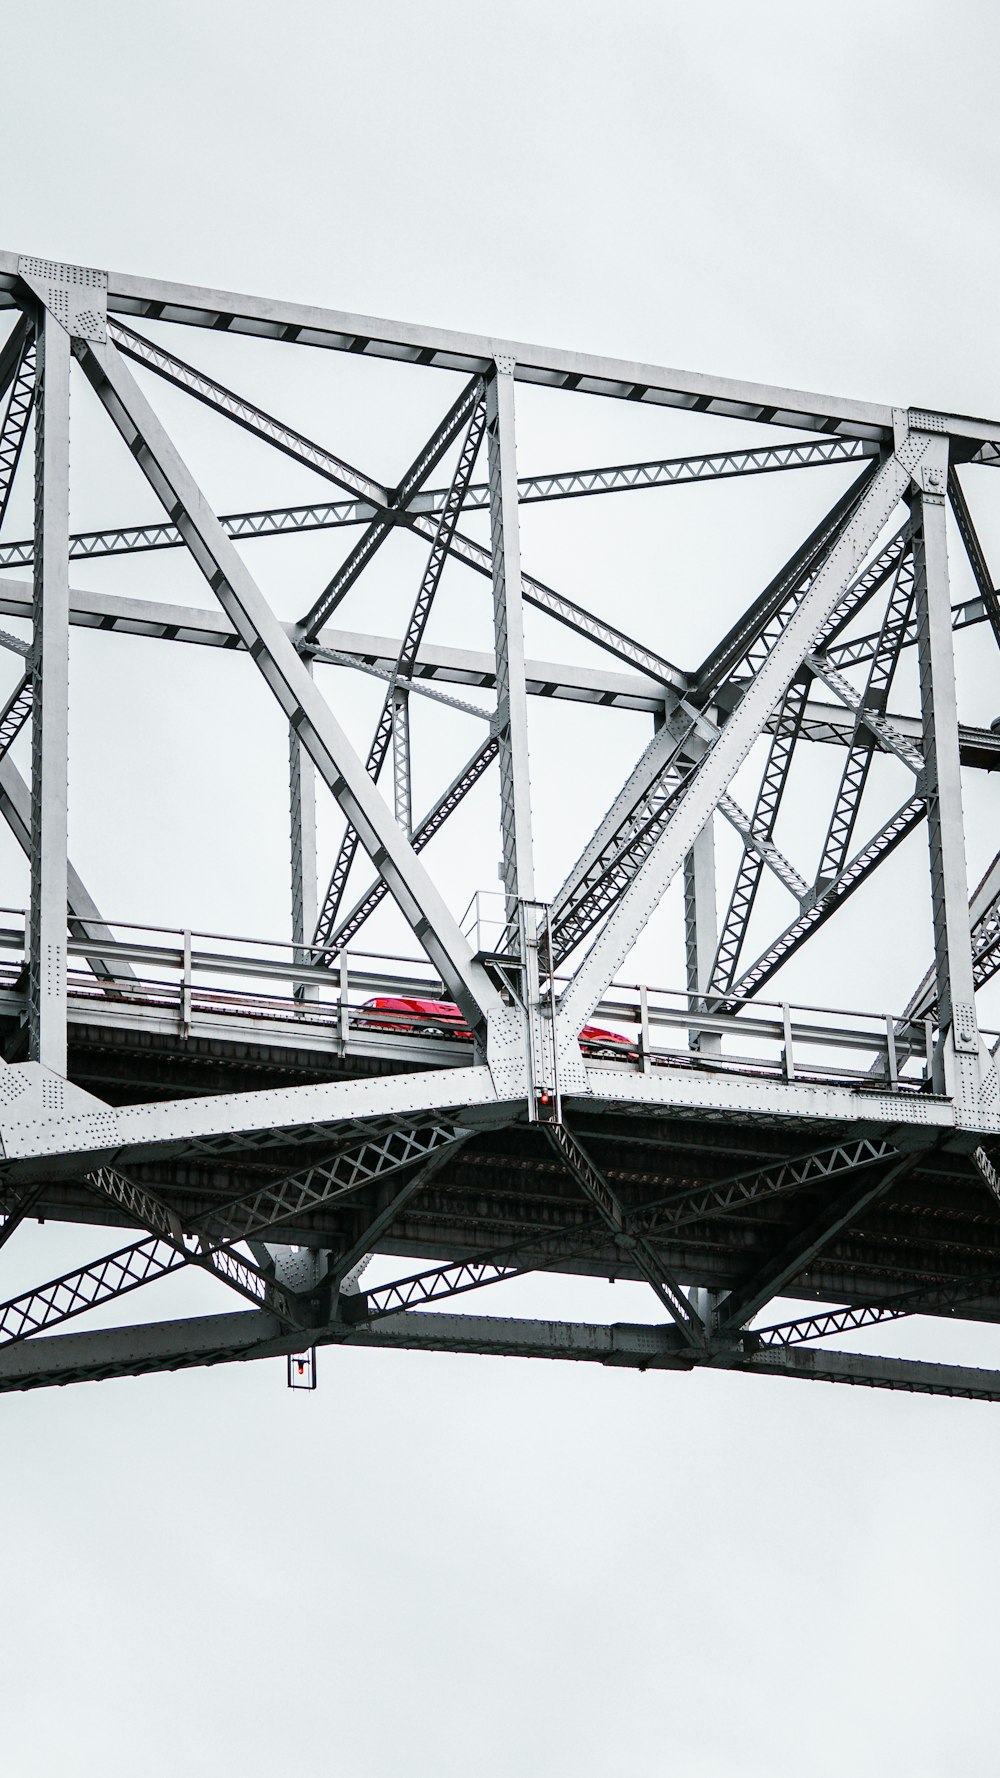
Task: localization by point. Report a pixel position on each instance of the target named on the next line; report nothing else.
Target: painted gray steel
(245, 1109)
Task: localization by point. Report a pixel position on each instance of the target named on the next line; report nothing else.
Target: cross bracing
(513, 1093)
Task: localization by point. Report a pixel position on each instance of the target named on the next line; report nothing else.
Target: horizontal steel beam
(265, 1119)
(304, 324)
(206, 628)
(565, 484)
(222, 1339)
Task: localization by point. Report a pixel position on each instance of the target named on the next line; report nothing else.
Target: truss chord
(221, 1339)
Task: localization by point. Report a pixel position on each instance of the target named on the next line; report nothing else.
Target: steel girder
(333, 1141)
(224, 1339)
(566, 484)
(437, 666)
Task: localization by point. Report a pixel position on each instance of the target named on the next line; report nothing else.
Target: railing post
(788, 1057)
(644, 1028)
(892, 1063)
(186, 984)
(343, 1008)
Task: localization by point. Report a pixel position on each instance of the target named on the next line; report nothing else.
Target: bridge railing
(207, 981)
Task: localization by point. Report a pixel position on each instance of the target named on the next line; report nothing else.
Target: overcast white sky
(451, 1565)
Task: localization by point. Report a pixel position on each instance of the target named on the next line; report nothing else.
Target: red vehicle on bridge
(442, 1018)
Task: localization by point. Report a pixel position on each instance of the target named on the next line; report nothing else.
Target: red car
(442, 1018)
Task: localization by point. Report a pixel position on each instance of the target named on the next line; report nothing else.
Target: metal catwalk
(508, 1098)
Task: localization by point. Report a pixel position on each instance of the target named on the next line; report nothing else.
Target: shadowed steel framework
(276, 1114)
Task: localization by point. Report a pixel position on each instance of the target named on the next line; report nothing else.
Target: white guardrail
(202, 981)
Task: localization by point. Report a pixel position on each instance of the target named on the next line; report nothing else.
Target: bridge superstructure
(237, 1106)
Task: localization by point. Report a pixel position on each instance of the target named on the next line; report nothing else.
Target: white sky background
(472, 1566)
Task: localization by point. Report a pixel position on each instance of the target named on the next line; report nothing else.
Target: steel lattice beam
(872, 703)
(565, 484)
(785, 733)
(17, 373)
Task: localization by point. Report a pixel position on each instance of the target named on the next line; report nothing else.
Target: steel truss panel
(720, 1149)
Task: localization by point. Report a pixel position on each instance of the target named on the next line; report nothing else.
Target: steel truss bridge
(230, 1103)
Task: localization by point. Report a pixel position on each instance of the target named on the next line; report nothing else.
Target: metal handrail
(636, 1005)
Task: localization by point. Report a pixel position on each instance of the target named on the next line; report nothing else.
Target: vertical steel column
(50, 689)
(508, 622)
(305, 881)
(956, 1061)
(701, 929)
(401, 775)
(517, 869)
